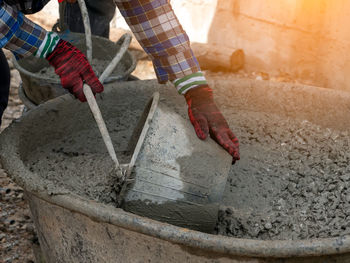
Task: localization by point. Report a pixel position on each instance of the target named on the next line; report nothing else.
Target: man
(159, 32)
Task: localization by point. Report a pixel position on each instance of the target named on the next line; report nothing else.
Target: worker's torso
(27, 6)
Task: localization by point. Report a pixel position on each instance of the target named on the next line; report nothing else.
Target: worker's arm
(159, 32)
(25, 38)
(161, 35)
(17, 33)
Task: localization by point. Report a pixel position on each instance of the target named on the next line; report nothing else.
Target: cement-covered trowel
(119, 170)
(125, 39)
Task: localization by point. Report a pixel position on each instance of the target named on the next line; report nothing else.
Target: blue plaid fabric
(153, 23)
(18, 33)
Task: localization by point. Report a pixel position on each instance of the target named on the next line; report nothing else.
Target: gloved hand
(74, 69)
(207, 118)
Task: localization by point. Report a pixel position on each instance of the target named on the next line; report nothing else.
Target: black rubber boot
(5, 77)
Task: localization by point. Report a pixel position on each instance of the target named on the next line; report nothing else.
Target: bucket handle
(141, 139)
(125, 40)
(87, 27)
(127, 168)
(31, 74)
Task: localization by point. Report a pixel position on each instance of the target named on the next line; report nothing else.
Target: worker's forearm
(19, 34)
(159, 32)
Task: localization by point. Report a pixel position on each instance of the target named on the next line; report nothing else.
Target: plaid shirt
(153, 23)
(17, 33)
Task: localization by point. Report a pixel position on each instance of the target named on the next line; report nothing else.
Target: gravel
(293, 181)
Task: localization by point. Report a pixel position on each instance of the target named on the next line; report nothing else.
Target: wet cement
(81, 163)
(98, 65)
(293, 181)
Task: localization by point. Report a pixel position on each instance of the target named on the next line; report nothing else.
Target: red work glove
(74, 69)
(207, 118)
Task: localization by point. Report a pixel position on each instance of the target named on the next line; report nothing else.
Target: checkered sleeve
(161, 35)
(18, 33)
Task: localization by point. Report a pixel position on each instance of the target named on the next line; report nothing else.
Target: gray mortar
(293, 181)
(81, 164)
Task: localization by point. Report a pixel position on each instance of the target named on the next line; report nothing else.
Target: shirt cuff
(189, 82)
(48, 45)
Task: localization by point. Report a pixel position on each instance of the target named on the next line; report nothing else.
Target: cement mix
(81, 163)
(98, 65)
(293, 181)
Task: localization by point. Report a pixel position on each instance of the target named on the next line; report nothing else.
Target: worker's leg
(101, 13)
(4, 83)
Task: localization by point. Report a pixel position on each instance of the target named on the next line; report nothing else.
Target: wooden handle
(100, 122)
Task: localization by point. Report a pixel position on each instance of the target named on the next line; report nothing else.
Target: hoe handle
(100, 122)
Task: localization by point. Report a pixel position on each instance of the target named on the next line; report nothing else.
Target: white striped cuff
(47, 46)
(189, 82)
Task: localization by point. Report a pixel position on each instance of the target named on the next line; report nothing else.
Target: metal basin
(75, 229)
(38, 89)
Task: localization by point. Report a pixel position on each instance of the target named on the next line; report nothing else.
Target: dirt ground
(16, 227)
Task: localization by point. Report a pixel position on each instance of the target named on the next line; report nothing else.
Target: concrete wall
(307, 39)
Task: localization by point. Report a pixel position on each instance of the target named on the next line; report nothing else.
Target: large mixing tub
(74, 229)
(38, 88)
